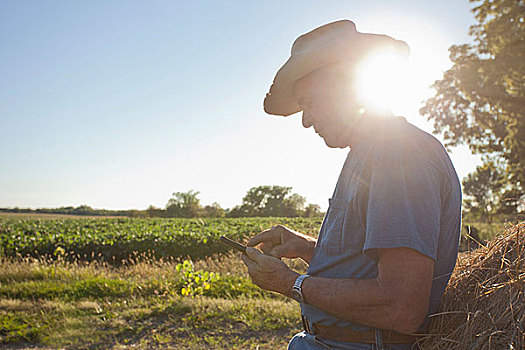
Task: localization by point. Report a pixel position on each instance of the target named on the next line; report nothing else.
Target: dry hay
(484, 304)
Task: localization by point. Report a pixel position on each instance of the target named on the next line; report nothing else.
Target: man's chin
(333, 143)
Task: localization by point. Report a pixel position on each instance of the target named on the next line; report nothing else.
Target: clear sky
(118, 104)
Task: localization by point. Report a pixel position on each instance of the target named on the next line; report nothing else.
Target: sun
(383, 80)
(401, 85)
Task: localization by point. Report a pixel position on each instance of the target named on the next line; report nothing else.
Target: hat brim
(280, 100)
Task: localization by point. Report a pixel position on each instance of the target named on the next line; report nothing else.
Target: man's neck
(368, 125)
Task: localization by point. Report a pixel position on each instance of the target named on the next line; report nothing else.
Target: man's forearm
(364, 302)
(398, 298)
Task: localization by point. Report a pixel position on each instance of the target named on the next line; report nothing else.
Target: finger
(254, 254)
(277, 252)
(258, 257)
(243, 258)
(267, 236)
(266, 247)
(247, 261)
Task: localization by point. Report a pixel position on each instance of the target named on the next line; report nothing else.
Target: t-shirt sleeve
(404, 204)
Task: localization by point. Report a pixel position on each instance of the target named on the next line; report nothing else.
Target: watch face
(297, 296)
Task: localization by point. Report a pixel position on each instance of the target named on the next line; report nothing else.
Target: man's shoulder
(405, 135)
(401, 143)
(407, 139)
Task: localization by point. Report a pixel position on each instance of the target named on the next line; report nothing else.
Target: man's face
(328, 105)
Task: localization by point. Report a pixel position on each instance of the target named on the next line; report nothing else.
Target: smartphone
(233, 244)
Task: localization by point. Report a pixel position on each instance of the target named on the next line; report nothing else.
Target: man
(389, 239)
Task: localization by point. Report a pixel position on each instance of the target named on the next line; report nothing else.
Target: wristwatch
(297, 292)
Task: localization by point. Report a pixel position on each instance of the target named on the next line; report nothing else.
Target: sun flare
(383, 81)
(400, 85)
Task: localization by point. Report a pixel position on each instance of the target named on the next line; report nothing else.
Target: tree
(293, 205)
(483, 191)
(184, 204)
(265, 200)
(83, 210)
(240, 211)
(270, 201)
(481, 99)
(511, 203)
(214, 211)
(312, 210)
(153, 212)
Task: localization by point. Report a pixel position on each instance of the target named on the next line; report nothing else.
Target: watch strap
(297, 291)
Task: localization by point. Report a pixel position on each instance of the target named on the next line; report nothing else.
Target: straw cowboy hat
(334, 42)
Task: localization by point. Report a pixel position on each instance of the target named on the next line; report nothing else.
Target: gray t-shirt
(398, 188)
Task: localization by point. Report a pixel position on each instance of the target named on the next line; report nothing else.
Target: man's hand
(268, 272)
(281, 242)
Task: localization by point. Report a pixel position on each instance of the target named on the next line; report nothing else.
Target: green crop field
(138, 283)
(118, 239)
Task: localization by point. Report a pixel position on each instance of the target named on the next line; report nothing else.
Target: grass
(151, 323)
(79, 305)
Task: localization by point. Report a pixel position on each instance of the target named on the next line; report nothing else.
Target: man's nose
(308, 120)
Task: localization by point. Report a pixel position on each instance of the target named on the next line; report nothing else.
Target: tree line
(81, 210)
(261, 201)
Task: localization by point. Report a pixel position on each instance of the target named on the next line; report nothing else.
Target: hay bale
(484, 304)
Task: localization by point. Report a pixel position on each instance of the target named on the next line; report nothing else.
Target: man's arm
(398, 299)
